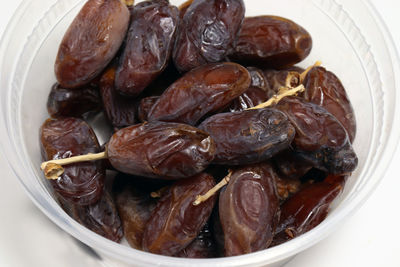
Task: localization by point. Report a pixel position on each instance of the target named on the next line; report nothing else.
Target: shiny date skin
(161, 150)
(271, 42)
(148, 47)
(201, 91)
(176, 222)
(249, 136)
(81, 183)
(275, 79)
(207, 32)
(120, 110)
(135, 205)
(91, 42)
(320, 138)
(290, 165)
(203, 246)
(325, 89)
(64, 102)
(305, 210)
(248, 208)
(145, 105)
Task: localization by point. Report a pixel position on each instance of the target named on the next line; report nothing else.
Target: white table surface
(369, 238)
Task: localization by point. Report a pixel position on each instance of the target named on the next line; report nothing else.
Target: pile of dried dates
(221, 145)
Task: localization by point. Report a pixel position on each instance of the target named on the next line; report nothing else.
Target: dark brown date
(203, 246)
(201, 91)
(320, 137)
(207, 32)
(149, 43)
(161, 150)
(145, 106)
(251, 98)
(249, 136)
(176, 222)
(135, 206)
(305, 210)
(325, 89)
(64, 102)
(81, 183)
(271, 42)
(248, 209)
(286, 187)
(275, 79)
(101, 217)
(120, 110)
(91, 42)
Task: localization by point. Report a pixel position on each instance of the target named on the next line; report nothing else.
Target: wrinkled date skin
(207, 32)
(271, 42)
(81, 183)
(286, 187)
(201, 91)
(91, 42)
(145, 106)
(64, 102)
(176, 222)
(135, 206)
(101, 217)
(149, 43)
(249, 136)
(305, 210)
(248, 209)
(203, 246)
(325, 89)
(320, 137)
(161, 150)
(120, 110)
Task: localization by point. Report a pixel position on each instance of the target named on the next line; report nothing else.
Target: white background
(371, 237)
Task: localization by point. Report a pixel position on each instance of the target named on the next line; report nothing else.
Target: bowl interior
(337, 42)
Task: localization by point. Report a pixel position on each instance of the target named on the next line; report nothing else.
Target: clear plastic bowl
(349, 38)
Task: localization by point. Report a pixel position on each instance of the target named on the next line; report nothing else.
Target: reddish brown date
(248, 209)
(290, 165)
(286, 187)
(120, 110)
(145, 106)
(135, 206)
(320, 137)
(325, 89)
(207, 32)
(271, 42)
(305, 210)
(176, 222)
(249, 136)
(149, 43)
(161, 150)
(64, 102)
(91, 42)
(203, 246)
(201, 91)
(100, 217)
(81, 183)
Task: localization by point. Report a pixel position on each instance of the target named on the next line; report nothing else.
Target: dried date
(271, 42)
(161, 150)
(249, 136)
(201, 91)
(149, 43)
(91, 42)
(320, 137)
(145, 106)
(248, 210)
(81, 183)
(325, 89)
(176, 222)
(64, 102)
(207, 32)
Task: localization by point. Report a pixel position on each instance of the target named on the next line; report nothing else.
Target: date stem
(202, 198)
(53, 168)
(276, 98)
(128, 2)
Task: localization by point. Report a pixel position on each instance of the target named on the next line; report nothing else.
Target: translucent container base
(348, 37)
